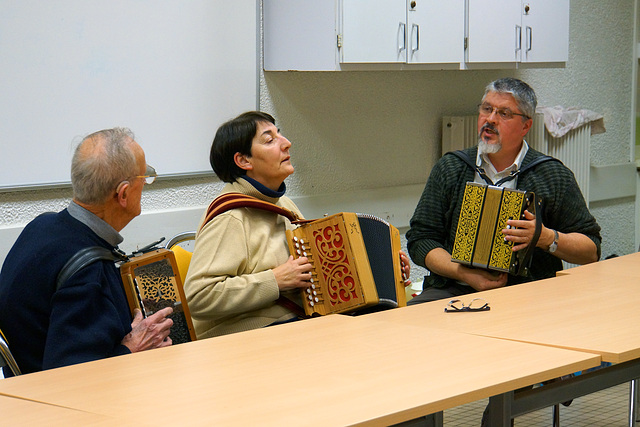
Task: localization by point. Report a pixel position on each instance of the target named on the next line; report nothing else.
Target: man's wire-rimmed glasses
(504, 113)
(150, 176)
(457, 306)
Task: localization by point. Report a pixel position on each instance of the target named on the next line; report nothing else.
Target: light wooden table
(597, 314)
(627, 265)
(21, 412)
(595, 308)
(334, 370)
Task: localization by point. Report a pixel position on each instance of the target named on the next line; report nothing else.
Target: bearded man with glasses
(49, 324)
(568, 231)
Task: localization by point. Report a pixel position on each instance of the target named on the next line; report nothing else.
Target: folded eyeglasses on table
(457, 306)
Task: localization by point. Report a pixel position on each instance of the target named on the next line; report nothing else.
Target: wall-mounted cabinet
(508, 32)
(401, 31)
(300, 35)
(330, 35)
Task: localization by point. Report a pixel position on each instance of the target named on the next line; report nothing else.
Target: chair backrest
(183, 256)
(180, 239)
(7, 358)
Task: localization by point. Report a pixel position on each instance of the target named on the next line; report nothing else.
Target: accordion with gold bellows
(484, 214)
(356, 263)
(151, 282)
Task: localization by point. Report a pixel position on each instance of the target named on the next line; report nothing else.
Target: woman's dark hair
(235, 136)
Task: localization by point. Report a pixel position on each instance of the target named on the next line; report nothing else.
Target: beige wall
(353, 131)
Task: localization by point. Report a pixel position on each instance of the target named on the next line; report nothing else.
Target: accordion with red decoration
(356, 263)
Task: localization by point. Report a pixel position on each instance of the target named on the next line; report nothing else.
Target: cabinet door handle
(518, 38)
(529, 34)
(416, 45)
(402, 37)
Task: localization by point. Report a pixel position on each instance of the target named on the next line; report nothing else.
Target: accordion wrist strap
(292, 306)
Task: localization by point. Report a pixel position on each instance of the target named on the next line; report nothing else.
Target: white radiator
(573, 149)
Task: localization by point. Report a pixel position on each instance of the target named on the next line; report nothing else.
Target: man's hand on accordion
(152, 332)
(520, 232)
(483, 280)
(293, 274)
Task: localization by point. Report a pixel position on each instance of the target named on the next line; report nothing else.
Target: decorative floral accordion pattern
(510, 208)
(151, 284)
(156, 281)
(342, 278)
(332, 249)
(484, 214)
(355, 267)
(467, 230)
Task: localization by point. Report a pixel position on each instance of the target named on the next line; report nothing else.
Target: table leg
(633, 402)
(500, 410)
(556, 415)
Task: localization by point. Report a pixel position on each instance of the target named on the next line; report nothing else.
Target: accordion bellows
(151, 282)
(356, 263)
(484, 214)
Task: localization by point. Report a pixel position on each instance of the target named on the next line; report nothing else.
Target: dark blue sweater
(86, 319)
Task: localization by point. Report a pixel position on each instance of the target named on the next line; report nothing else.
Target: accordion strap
(465, 158)
(525, 256)
(83, 258)
(230, 201)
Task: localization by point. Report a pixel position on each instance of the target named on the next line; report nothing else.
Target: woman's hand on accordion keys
(293, 274)
(151, 332)
(405, 266)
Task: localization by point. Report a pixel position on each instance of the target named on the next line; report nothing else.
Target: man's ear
(122, 193)
(527, 127)
(242, 161)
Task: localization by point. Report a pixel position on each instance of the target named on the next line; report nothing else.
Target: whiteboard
(170, 70)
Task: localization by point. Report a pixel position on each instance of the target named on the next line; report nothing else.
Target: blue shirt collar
(264, 189)
(97, 225)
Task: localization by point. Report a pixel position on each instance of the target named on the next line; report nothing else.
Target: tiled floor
(607, 408)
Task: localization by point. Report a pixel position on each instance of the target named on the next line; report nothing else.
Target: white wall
(355, 131)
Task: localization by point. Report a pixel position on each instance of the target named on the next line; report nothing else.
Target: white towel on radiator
(559, 120)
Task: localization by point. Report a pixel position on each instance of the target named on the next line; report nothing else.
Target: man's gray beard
(486, 148)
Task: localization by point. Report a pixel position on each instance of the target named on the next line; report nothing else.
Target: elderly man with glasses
(50, 324)
(502, 157)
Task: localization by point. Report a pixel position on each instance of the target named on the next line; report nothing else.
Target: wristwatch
(554, 245)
